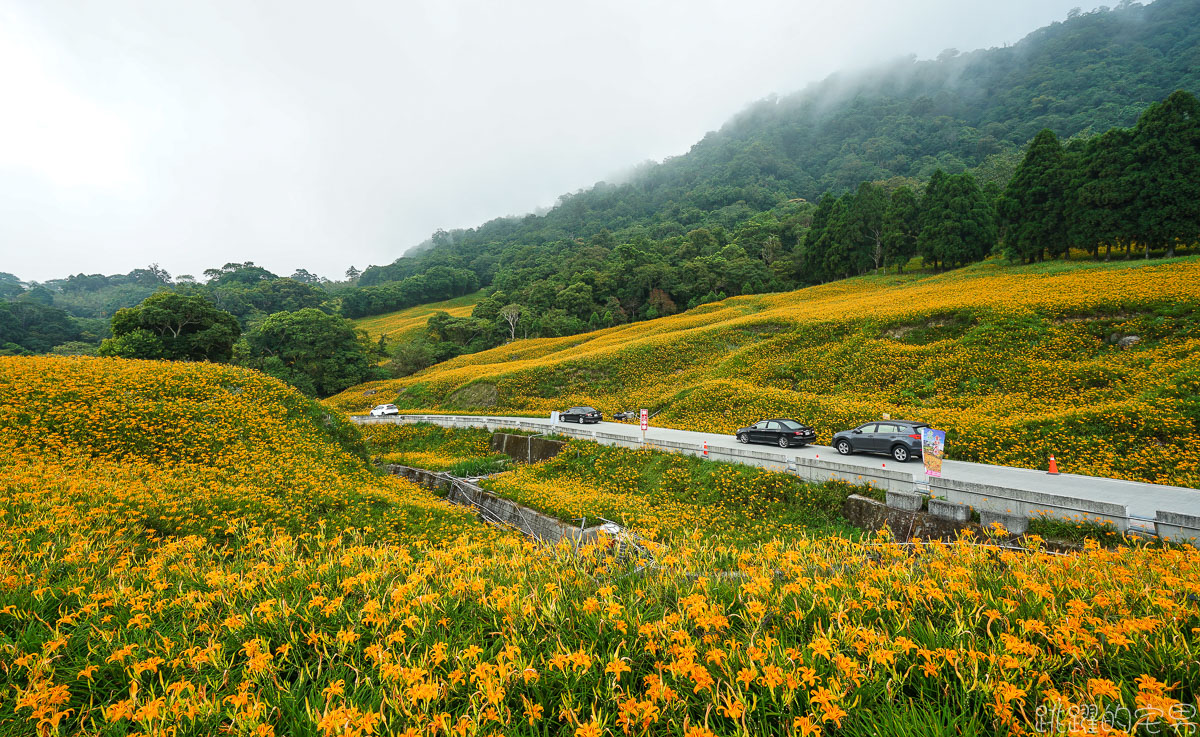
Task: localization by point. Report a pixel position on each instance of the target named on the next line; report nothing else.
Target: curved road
(1142, 500)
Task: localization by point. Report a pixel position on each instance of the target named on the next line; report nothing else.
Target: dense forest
(242, 313)
(71, 315)
(1127, 187)
(729, 216)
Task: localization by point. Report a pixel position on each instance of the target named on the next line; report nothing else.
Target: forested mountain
(740, 185)
(929, 159)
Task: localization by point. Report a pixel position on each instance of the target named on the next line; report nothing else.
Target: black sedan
(581, 415)
(780, 431)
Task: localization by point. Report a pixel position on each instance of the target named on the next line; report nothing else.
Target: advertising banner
(933, 449)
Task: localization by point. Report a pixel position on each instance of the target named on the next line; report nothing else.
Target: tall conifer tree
(1105, 192)
(1032, 209)
(901, 226)
(1166, 143)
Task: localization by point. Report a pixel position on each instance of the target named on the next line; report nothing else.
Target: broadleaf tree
(174, 326)
(318, 353)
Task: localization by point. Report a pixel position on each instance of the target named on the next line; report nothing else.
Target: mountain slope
(1089, 73)
(195, 448)
(404, 324)
(1015, 362)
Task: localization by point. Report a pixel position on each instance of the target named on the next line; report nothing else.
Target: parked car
(900, 439)
(779, 431)
(629, 414)
(385, 409)
(580, 415)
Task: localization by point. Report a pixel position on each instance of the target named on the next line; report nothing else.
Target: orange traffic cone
(706, 449)
(1053, 467)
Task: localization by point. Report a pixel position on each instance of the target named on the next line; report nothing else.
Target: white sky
(319, 135)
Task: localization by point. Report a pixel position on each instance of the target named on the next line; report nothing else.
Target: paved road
(1142, 500)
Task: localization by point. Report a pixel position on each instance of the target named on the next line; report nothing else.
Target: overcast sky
(315, 135)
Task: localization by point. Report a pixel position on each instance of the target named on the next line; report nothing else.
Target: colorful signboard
(933, 450)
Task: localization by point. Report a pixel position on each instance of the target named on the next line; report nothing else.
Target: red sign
(645, 419)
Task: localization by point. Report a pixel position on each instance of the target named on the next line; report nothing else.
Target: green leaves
(318, 353)
(1033, 208)
(958, 225)
(1166, 143)
(174, 326)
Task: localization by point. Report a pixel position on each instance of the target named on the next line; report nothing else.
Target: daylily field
(404, 324)
(191, 549)
(1016, 363)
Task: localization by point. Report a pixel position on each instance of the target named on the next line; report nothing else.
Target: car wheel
(783, 443)
(843, 447)
(900, 453)
(743, 438)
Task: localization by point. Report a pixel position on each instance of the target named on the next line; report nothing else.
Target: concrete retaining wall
(526, 448)
(496, 509)
(982, 497)
(873, 515)
(1020, 502)
(1177, 526)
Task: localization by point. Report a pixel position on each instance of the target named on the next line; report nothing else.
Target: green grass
(432, 447)
(485, 466)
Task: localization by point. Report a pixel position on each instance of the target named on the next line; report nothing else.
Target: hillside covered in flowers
(1098, 364)
(191, 549)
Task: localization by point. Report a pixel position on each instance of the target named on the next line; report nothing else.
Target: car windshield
(586, 409)
(791, 424)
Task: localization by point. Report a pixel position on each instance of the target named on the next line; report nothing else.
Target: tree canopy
(1033, 208)
(174, 326)
(742, 185)
(316, 352)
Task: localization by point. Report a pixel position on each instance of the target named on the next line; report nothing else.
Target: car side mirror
(857, 432)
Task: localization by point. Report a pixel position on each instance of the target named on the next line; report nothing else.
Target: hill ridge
(1015, 362)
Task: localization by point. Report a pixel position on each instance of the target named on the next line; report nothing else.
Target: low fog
(323, 135)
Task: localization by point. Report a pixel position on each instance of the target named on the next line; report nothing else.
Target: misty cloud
(316, 135)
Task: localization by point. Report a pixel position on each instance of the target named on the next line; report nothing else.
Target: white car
(385, 409)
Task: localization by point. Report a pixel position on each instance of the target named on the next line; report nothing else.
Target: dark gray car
(900, 439)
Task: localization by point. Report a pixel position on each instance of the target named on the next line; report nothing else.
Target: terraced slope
(1015, 362)
(404, 324)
